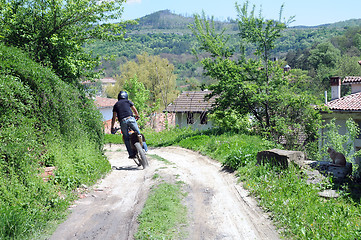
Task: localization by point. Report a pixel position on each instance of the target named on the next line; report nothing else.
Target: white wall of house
(341, 119)
(355, 88)
(107, 113)
(181, 121)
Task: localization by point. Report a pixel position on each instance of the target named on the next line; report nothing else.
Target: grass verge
(163, 214)
(297, 208)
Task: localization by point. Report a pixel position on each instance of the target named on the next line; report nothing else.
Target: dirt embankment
(218, 207)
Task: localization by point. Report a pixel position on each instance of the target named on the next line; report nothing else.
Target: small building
(191, 109)
(343, 108)
(105, 106)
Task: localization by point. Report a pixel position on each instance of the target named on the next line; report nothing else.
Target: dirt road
(218, 207)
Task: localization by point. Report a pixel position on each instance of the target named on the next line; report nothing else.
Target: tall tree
(258, 87)
(155, 72)
(140, 97)
(324, 54)
(54, 32)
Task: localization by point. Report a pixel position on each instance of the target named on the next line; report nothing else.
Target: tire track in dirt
(110, 210)
(219, 208)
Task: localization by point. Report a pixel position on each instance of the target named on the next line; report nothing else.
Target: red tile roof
(101, 102)
(191, 101)
(347, 103)
(351, 80)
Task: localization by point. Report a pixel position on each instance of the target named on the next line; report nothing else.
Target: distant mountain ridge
(166, 20)
(341, 24)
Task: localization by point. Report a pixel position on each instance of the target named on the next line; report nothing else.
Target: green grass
(232, 150)
(113, 138)
(159, 158)
(294, 205)
(298, 209)
(167, 138)
(163, 214)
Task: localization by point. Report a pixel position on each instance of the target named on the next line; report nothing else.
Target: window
(204, 118)
(190, 118)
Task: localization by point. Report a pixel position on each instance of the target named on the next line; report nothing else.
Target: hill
(168, 35)
(166, 20)
(162, 20)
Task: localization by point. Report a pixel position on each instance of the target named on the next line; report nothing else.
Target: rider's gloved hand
(113, 131)
(137, 117)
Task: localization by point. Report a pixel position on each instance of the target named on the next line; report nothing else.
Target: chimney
(335, 83)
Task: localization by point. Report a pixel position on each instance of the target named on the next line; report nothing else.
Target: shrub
(43, 122)
(167, 137)
(232, 149)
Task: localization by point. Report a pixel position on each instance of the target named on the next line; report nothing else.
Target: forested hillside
(168, 35)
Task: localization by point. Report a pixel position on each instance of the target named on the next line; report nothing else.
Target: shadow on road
(128, 168)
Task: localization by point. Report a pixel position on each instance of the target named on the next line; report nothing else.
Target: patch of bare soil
(218, 207)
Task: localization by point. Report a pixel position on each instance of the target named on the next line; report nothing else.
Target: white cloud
(134, 1)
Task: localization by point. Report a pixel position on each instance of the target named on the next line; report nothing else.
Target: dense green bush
(43, 122)
(167, 137)
(231, 149)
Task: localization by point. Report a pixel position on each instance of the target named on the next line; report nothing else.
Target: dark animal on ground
(338, 159)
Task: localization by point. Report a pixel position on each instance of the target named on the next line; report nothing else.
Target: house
(105, 106)
(191, 109)
(343, 108)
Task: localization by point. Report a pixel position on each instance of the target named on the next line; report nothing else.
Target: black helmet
(122, 95)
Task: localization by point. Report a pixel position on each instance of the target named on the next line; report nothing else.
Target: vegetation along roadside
(294, 205)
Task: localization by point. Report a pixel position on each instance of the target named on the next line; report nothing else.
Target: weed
(155, 176)
(159, 158)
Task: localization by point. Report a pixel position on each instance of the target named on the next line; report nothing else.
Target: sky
(306, 12)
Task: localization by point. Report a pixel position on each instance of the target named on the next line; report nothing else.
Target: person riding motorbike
(124, 110)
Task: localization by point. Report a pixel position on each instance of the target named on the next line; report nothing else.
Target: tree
(140, 97)
(348, 66)
(257, 87)
(350, 42)
(325, 54)
(155, 73)
(54, 32)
